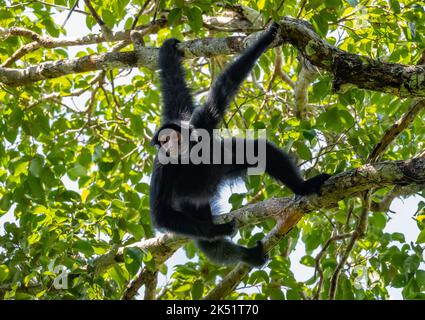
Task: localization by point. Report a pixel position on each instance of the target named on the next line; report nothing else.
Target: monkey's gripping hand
(169, 53)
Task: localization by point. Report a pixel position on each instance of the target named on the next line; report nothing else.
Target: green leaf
(397, 236)
(118, 204)
(320, 24)
(197, 290)
(249, 114)
(174, 16)
(261, 4)
(106, 166)
(194, 14)
(51, 27)
(85, 157)
(332, 3)
(6, 202)
(421, 237)
(378, 220)
(395, 6)
(133, 258)
(136, 230)
(108, 18)
(77, 171)
(190, 249)
(308, 261)
(117, 275)
(236, 200)
(330, 119)
(303, 151)
(137, 125)
(4, 272)
(36, 166)
(36, 188)
(84, 247)
(411, 264)
(183, 288)
(420, 278)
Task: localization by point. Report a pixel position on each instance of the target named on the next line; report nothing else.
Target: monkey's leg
(278, 164)
(281, 167)
(187, 223)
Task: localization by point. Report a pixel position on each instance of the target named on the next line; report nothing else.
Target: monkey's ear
(168, 125)
(155, 139)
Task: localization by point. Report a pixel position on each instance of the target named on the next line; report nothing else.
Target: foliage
(74, 170)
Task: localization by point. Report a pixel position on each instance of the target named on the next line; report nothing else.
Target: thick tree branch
(49, 42)
(348, 69)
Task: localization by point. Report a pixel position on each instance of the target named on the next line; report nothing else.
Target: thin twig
(358, 233)
(319, 256)
(105, 29)
(74, 7)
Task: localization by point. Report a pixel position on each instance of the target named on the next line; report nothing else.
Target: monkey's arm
(228, 82)
(276, 163)
(176, 95)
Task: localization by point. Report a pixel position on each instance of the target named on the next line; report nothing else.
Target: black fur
(181, 194)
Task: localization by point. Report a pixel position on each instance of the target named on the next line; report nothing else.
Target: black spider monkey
(181, 194)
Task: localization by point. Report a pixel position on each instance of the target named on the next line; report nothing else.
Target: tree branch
(348, 69)
(105, 30)
(392, 133)
(358, 233)
(319, 256)
(306, 76)
(146, 277)
(49, 42)
(396, 192)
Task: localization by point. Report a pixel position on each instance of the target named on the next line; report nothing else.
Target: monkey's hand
(169, 49)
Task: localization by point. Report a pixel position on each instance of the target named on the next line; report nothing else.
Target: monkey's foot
(227, 229)
(255, 257)
(274, 28)
(314, 184)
